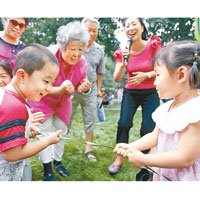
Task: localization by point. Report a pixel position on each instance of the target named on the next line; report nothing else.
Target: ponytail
(194, 76)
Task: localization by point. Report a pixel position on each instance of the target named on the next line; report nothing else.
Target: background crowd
(81, 63)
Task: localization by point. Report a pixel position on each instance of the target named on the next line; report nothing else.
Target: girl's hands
(53, 138)
(68, 87)
(138, 78)
(122, 149)
(135, 156)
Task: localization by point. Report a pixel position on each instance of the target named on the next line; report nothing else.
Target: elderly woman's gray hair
(90, 19)
(72, 31)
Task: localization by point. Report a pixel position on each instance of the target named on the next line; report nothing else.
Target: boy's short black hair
(33, 57)
(6, 66)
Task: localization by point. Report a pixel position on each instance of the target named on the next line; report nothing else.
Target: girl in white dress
(177, 132)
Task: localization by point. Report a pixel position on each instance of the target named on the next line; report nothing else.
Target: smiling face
(133, 28)
(5, 77)
(39, 83)
(73, 52)
(15, 27)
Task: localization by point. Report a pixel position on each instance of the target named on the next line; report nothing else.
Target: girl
(139, 89)
(176, 135)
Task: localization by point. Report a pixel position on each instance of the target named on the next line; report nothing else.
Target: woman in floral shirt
(139, 89)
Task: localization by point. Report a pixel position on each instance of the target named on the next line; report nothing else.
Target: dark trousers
(148, 99)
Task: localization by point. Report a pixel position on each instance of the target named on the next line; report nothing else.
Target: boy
(36, 69)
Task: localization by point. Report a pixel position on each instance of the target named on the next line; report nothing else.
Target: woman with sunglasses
(10, 43)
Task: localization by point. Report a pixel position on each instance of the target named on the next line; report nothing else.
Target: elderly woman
(57, 107)
(10, 44)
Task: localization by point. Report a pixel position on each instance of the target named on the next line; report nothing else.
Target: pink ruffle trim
(155, 42)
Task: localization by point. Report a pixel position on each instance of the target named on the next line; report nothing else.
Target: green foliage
(169, 29)
(75, 161)
(43, 31)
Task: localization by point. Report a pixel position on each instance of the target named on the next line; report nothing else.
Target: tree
(169, 29)
(43, 31)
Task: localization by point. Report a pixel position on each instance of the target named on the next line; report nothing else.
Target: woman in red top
(10, 43)
(139, 89)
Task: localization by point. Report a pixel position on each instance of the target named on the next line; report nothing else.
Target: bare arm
(31, 148)
(139, 77)
(66, 88)
(148, 141)
(99, 83)
(184, 156)
(119, 72)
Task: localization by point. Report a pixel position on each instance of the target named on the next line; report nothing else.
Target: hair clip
(194, 59)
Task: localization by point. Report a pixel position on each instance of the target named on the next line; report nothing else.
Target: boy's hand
(34, 130)
(53, 138)
(67, 86)
(36, 117)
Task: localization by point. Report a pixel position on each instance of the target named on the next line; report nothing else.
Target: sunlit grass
(75, 161)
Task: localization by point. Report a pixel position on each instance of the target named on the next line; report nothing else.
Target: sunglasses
(15, 23)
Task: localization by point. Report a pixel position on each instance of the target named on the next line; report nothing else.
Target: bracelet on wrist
(87, 92)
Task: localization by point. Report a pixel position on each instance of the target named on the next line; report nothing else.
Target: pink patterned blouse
(62, 105)
(170, 123)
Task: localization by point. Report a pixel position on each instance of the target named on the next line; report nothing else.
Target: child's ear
(183, 73)
(21, 74)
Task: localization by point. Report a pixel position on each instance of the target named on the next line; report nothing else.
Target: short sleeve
(101, 68)
(118, 55)
(178, 118)
(12, 126)
(155, 42)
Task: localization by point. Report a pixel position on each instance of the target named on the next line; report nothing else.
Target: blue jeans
(148, 99)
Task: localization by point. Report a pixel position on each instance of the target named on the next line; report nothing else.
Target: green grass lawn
(75, 161)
